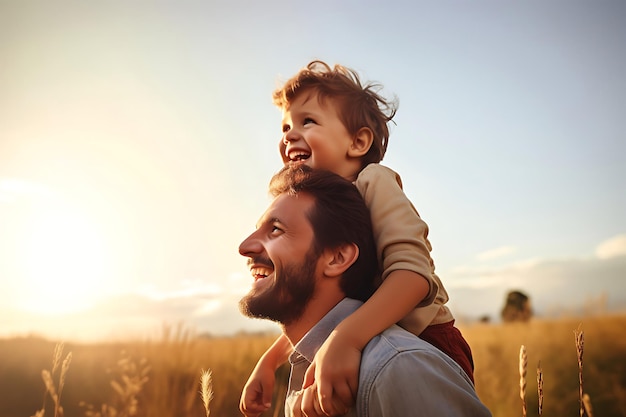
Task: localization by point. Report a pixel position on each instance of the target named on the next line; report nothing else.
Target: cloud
(188, 289)
(552, 285)
(495, 253)
(616, 246)
(201, 305)
(137, 316)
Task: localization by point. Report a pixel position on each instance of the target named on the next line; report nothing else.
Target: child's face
(314, 135)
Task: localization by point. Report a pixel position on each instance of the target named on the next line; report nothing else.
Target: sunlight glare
(63, 261)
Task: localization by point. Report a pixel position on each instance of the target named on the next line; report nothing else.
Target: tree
(517, 307)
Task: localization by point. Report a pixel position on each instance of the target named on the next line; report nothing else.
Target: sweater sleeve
(401, 235)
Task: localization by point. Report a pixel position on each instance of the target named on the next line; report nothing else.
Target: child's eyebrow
(303, 113)
(308, 96)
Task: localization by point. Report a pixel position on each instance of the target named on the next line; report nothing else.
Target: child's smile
(314, 134)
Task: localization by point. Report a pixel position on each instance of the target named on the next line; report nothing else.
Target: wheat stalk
(132, 375)
(579, 337)
(206, 384)
(540, 387)
(48, 379)
(587, 404)
(523, 361)
(49, 383)
(64, 368)
(56, 356)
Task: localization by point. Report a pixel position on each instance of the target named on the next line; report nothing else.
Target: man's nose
(251, 245)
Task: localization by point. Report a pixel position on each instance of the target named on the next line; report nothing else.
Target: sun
(62, 260)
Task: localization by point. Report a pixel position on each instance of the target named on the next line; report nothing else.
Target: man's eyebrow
(276, 220)
(269, 220)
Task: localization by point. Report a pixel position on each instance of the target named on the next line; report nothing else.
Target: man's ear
(361, 143)
(340, 259)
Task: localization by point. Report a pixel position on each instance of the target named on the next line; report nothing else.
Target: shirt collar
(308, 346)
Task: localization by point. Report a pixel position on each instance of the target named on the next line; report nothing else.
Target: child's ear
(340, 259)
(361, 143)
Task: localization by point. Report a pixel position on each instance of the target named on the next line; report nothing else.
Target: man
(313, 258)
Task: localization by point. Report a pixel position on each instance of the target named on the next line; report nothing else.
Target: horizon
(153, 330)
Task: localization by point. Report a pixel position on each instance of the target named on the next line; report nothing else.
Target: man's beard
(285, 299)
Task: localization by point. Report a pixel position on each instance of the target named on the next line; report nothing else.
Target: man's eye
(276, 230)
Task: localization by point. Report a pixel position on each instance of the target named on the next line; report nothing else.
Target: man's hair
(339, 216)
(359, 105)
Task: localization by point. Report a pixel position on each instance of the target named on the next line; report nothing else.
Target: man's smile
(260, 273)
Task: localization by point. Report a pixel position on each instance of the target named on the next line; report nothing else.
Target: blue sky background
(137, 140)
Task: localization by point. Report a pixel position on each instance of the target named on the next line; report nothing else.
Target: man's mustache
(260, 260)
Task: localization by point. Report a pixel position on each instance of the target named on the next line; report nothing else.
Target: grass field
(161, 378)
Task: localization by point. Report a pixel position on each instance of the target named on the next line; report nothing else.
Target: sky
(137, 140)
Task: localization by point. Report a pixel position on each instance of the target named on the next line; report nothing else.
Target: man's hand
(335, 374)
(309, 394)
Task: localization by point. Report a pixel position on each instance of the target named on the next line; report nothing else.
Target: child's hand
(335, 371)
(257, 393)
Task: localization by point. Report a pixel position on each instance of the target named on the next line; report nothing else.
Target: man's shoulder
(396, 350)
(392, 342)
(401, 373)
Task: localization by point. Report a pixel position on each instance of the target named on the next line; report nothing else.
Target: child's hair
(359, 105)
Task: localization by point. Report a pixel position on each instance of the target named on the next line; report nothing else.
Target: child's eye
(308, 120)
(286, 128)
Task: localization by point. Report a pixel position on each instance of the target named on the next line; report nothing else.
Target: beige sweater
(402, 242)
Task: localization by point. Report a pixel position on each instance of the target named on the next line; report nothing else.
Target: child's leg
(450, 341)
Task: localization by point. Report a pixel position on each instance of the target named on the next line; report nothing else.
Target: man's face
(281, 260)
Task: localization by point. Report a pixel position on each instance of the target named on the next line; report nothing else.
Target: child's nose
(291, 136)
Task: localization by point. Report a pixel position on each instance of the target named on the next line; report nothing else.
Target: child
(330, 121)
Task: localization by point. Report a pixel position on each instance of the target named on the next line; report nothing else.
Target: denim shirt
(401, 375)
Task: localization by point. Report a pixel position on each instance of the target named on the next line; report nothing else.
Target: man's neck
(314, 312)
